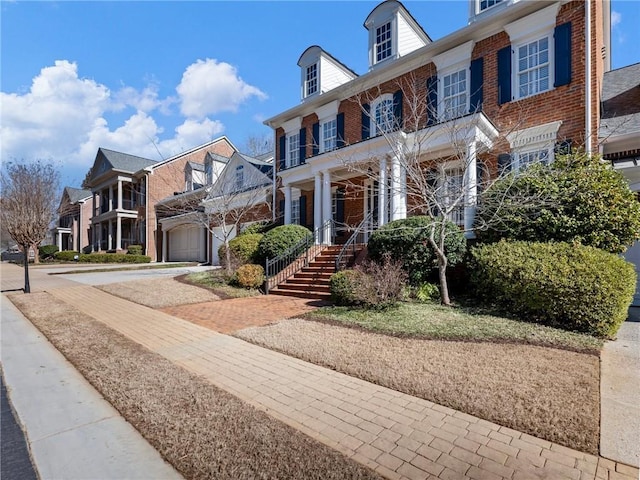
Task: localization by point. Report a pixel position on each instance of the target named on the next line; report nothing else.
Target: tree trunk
(36, 257)
(227, 253)
(444, 286)
(27, 286)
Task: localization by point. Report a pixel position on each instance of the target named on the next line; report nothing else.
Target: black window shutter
(562, 44)
(481, 174)
(366, 131)
(315, 134)
(563, 147)
(303, 210)
(283, 152)
(340, 194)
(432, 100)
(504, 75)
(303, 145)
(475, 85)
(340, 130)
(397, 109)
(504, 163)
(281, 209)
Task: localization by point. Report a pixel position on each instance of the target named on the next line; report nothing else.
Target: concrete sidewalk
(398, 435)
(72, 432)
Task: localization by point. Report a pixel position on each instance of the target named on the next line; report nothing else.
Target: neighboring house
(126, 188)
(196, 222)
(511, 85)
(620, 135)
(72, 231)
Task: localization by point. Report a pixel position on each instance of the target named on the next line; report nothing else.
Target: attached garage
(187, 243)
(217, 241)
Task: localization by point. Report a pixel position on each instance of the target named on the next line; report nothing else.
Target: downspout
(588, 77)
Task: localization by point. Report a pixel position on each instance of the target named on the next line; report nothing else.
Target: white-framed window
(295, 211)
(311, 80)
(455, 99)
(483, 5)
(452, 192)
(382, 115)
(533, 67)
(293, 150)
(383, 44)
(329, 135)
(239, 177)
(524, 159)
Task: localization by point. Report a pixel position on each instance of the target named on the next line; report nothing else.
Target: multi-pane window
(383, 42)
(453, 192)
(533, 67)
(329, 134)
(484, 4)
(295, 211)
(454, 95)
(383, 116)
(239, 177)
(311, 80)
(528, 158)
(293, 150)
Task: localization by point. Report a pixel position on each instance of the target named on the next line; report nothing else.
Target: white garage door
(186, 244)
(633, 255)
(218, 239)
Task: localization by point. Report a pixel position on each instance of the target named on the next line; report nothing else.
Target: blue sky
(156, 78)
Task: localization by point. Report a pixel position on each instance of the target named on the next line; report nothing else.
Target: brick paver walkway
(226, 316)
(398, 435)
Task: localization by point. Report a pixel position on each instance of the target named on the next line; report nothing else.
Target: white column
(287, 204)
(119, 207)
(110, 238)
(118, 233)
(382, 193)
(59, 235)
(470, 187)
(398, 190)
(326, 207)
(317, 207)
(164, 244)
(110, 197)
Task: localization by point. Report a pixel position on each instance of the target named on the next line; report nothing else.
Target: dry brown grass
(160, 292)
(204, 432)
(548, 393)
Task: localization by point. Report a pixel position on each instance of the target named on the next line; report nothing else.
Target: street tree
(29, 200)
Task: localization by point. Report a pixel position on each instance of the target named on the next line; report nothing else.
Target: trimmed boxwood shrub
(249, 276)
(561, 284)
(343, 285)
(47, 251)
(66, 255)
(244, 249)
(257, 227)
(407, 241)
(134, 250)
(277, 241)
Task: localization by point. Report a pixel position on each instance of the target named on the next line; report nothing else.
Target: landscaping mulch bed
(203, 431)
(546, 392)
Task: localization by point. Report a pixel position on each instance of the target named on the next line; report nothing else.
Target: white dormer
(321, 72)
(393, 33)
(481, 8)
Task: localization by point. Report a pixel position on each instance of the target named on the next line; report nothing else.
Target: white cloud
(191, 134)
(616, 18)
(209, 87)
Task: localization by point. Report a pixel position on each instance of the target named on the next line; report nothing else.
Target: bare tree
(256, 145)
(29, 198)
(430, 159)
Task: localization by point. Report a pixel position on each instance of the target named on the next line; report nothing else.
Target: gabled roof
(107, 160)
(76, 194)
(318, 50)
(264, 164)
(620, 99)
(196, 166)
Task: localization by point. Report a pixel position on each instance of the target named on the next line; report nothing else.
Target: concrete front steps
(312, 282)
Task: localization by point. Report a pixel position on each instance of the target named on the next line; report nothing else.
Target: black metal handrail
(296, 257)
(359, 236)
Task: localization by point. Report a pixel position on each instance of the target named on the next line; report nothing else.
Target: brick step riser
(293, 293)
(305, 287)
(311, 276)
(311, 282)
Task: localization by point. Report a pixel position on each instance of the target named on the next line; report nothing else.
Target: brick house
(125, 189)
(72, 229)
(520, 81)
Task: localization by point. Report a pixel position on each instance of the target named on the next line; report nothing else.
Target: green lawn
(433, 321)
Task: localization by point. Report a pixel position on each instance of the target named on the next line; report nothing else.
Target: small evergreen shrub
(407, 241)
(249, 276)
(277, 241)
(66, 255)
(47, 251)
(112, 258)
(244, 249)
(343, 285)
(427, 292)
(565, 285)
(257, 227)
(134, 250)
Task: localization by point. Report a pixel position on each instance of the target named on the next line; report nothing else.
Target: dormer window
(311, 80)
(383, 42)
(485, 4)
(239, 177)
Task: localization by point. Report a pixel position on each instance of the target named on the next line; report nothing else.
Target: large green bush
(343, 285)
(561, 284)
(244, 249)
(66, 255)
(407, 241)
(277, 241)
(249, 276)
(47, 251)
(577, 198)
(134, 250)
